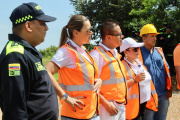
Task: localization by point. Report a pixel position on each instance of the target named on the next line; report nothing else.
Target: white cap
(129, 42)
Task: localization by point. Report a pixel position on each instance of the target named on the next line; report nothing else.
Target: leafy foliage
(89, 47)
(48, 52)
(132, 14)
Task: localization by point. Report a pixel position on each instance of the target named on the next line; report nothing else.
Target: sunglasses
(135, 49)
(116, 34)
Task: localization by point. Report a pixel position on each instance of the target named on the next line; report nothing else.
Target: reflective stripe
(128, 70)
(153, 91)
(111, 67)
(87, 85)
(113, 81)
(168, 74)
(133, 96)
(76, 87)
(161, 53)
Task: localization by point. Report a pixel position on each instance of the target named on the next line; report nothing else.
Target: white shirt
(100, 61)
(145, 85)
(65, 58)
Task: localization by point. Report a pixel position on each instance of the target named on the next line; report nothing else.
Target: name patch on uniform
(14, 69)
(39, 66)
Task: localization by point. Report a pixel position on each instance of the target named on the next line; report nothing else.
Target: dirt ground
(174, 108)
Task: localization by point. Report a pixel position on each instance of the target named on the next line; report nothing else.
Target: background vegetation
(132, 14)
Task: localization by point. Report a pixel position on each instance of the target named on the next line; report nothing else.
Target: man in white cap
(153, 59)
(26, 91)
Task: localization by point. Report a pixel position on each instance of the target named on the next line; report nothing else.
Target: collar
(16, 38)
(147, 50)
(79, 49)
(133, 65)
(114, 51)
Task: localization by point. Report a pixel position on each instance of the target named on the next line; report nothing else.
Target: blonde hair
(75, 23)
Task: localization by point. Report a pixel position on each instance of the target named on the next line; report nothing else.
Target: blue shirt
(155, 65)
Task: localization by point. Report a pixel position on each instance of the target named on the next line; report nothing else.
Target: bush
(48, 52)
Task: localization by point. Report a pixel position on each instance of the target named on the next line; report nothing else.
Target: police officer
(135, 35)
(162, 35)
(26, 91)
(168, 46)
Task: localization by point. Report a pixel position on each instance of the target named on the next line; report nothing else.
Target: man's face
(150, 40)
(39, 29)
(116, 37)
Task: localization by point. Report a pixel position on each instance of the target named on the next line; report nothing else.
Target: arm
(15, 85)
(176, 55)
(138, 78)
(52, 69)
(109, 106)
(177, 68)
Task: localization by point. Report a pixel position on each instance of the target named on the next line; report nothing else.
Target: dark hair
(75, 23)
(107, 27)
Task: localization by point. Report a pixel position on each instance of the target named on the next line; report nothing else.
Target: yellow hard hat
(148, 28)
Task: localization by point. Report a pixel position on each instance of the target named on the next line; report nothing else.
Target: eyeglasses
(116, 34)
(89, 30)
(135, 49)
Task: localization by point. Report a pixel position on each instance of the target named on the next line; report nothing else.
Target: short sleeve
(177, 56)
(64, 58)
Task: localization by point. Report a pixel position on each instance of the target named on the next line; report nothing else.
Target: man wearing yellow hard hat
(153, 58)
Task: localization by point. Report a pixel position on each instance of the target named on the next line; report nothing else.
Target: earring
(126, 55)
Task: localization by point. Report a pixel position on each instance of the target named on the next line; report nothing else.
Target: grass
(45, 62)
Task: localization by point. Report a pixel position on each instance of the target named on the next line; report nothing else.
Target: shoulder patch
(14, 47)
(14, 69)
(39, 66)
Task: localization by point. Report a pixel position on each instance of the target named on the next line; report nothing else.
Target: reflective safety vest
(178, 86)
(133, 100)
(168, 76)
(114, 86)
(79, 82)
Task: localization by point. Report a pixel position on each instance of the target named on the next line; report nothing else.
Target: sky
(61, 9)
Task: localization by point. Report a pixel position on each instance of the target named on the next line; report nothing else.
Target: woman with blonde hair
(77, 72)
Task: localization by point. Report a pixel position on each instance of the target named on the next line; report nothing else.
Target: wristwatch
(65, 96)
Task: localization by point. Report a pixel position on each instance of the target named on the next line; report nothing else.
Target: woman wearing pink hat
(141, 92)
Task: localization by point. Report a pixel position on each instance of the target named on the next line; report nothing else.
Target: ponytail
(64, 36)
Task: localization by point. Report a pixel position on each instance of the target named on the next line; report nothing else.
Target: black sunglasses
(135, 49)
(115, 34)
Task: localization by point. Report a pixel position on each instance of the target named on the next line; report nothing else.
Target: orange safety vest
(168, 76)
(178, 86)
(114, 86)
(79, 82)
(133, 100)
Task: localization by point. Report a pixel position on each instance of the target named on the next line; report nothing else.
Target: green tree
(130, 13)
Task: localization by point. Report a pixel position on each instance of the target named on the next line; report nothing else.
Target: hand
(111, 108)
(140, 77)
(97, 86)
(161, 38)
(73, 102)
(169, 94)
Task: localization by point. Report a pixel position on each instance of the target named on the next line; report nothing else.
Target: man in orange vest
(176, 55)
(114, 88)
(153, 59)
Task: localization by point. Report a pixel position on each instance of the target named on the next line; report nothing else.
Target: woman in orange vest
(78, 84)
(139, 82)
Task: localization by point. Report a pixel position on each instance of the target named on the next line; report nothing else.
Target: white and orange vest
(79, 82)
(114, 86)
(133, 100)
